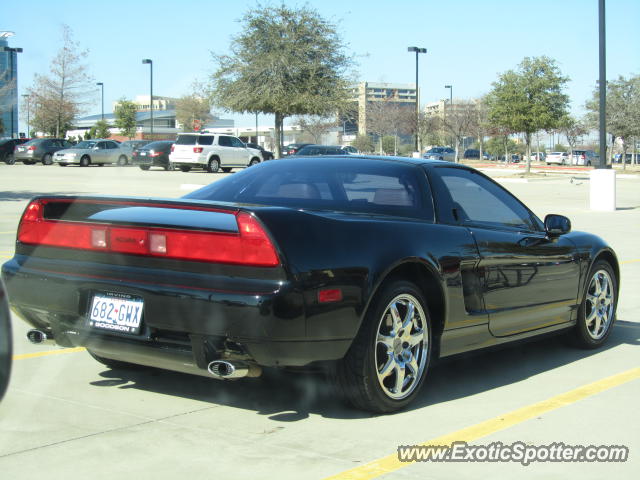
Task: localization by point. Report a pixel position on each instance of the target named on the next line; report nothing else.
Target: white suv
(211, 152)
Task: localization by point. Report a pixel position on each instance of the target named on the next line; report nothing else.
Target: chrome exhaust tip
(226, 369)
(39, 337)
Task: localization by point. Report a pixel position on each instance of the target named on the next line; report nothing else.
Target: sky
(469, 42)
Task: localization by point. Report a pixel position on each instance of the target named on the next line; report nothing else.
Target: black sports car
(154, 154)
(369, 267)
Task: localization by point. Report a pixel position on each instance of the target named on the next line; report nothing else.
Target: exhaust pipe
(227, 369)
(39, 337)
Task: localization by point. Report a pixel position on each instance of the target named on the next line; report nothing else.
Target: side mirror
(556, 225)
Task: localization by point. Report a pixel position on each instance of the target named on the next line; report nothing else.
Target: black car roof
(407, 160)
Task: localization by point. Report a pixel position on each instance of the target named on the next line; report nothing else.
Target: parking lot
(67, 416)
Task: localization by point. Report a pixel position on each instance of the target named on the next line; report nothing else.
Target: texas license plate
(116, 313)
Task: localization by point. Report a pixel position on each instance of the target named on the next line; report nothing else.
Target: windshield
(86, 144)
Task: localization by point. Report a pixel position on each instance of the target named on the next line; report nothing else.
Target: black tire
(85, 161)
(214, 165)
(122, 160)
(101, 164)
(117, 364)
(254, 161)
(62, 164)
(185, 169)
(360, 377)
(226, 169)
(28, 162)
(597, 307)
(10, 159)
(46, 159)
(144, 167)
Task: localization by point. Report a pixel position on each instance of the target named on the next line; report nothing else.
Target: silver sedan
(92, 152)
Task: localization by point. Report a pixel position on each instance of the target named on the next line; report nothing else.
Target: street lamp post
(150, 62)
(101, 85)
(418, 50)
(450, 87)
(26, 98)
(11, 51)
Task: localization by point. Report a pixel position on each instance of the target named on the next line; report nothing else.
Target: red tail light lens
(197, 149)
(31, 148)
(249, 246)
(172, 148)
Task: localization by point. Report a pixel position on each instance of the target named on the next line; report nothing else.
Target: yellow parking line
(22, 356)
(391, 463)
(631, 261)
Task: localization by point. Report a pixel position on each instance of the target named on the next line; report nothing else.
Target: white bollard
(603, 190)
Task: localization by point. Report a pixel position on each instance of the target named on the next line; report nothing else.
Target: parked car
(5, 341)
(154, 154)
(559, 158)
(129, 146)
(92, 152)
(472, 153)
(322, 150)
(369, 266)
(538, 156)
(583, 157)
(513, 158)
(212, 152)
(293, 148)
(266, 154)
(440, 153)
(40, 150)
(7, 147)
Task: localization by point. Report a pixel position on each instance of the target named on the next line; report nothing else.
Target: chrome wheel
(402, 345)
(599, 304)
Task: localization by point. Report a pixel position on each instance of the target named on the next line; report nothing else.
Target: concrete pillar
(603, 190)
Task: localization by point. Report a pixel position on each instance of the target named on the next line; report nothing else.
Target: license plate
(116, 313)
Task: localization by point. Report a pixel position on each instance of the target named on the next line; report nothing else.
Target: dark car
(323, 150)
(154, 154)
(293, 148)
(40, 150)
(7, 146)
(266, 154)
(474, 154)
(5, 341)
(370, 267)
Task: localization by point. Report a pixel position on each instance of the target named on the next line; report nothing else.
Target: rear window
(186, 140)
(361, 186)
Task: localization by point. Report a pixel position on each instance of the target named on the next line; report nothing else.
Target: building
(8, 86)
(366, 94)
(160, 104)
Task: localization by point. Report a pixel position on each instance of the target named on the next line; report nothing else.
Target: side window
(224, 141)
(112, 145)
(477, 200)
(205, 140)
(236, 142)
(101, 145)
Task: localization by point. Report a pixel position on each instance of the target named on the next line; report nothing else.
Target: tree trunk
(527, 139)
(278, 133)
(457, 159)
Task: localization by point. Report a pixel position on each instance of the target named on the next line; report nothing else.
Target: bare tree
(480, 125)
(573, 129)
(64, 92)
(458, 121)
(194, 110)
(389, 118)
(316, 126)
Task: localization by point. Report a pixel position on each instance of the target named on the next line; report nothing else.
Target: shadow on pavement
(289, 396)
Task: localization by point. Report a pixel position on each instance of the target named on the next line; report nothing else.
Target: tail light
(172, 148)
(251, 244)
(32, 148)
(583, 156)
(154, 154)
(197, 149)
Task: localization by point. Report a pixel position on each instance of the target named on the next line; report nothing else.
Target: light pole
(418, 50)
(12, 81)
(26, 98)
(150, 62)
(101, 85)
(450, 87)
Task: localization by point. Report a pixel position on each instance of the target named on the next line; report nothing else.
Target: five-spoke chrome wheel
(599, 304)
(402, 345)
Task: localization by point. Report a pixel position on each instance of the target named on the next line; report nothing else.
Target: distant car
(92, 152)
(7, 147)
(472, 153)
(293, 148)
(129, 146)
(513, 158)
(322, 150)
(5, 341)
(440, 153)
(266, 154)
(583, 157)
(154, 154)
(350, 149)
(559, 158)
(538, 156)
(212, 152)
(40, 150)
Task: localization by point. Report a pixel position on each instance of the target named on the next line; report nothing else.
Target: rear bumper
(183, 326)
